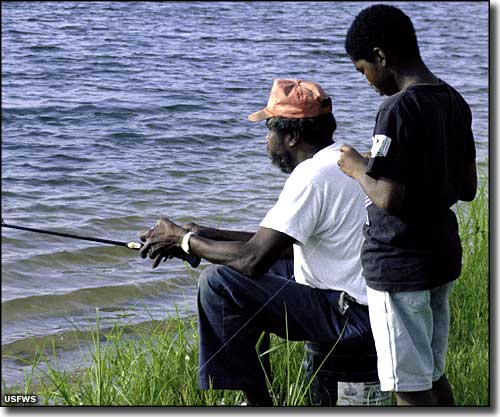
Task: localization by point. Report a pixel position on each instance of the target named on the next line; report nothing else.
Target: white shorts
(411, 336)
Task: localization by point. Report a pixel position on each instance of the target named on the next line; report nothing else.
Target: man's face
(378, 76)
(278, 153)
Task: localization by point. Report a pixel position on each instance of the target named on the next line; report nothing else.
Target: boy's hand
(351, 162)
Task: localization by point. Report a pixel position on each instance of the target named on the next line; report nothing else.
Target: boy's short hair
(316, 131)
(383, 26)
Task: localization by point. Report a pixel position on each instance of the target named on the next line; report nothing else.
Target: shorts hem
(409, 388)
(437, 378)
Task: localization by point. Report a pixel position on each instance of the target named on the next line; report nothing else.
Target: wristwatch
(185, 242)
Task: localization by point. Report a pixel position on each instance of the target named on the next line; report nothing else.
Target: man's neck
(307, 151)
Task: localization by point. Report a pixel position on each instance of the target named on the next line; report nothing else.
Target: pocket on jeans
(412, 300)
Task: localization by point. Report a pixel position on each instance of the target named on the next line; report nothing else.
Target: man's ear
(293, 139)
(380, 56)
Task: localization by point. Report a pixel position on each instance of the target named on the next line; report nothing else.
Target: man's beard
(282, 161)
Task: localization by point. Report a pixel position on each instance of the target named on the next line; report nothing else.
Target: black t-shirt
(422, 139)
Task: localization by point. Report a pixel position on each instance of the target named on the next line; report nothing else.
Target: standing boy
(422, 162)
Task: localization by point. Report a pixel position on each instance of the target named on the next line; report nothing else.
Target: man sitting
(318, 295)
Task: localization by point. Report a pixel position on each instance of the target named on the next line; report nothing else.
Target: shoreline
(168, 348)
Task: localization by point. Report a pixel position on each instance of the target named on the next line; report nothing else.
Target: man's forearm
(231, 253)
(233, 236)
(228, 236)
(250, 258)
(223, 235)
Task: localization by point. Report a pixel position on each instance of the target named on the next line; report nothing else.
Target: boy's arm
(469, 185)
(383, 192)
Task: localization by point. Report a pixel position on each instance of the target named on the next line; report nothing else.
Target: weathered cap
(294, 99)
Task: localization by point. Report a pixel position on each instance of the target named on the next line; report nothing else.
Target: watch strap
(185, 242)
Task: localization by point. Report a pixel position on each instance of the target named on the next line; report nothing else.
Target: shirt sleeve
(470, 147)
(389, 148)
(297, 210)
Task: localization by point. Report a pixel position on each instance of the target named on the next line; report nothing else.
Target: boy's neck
(411, 73)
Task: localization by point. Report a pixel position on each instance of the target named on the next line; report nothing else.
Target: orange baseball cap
(294, 99)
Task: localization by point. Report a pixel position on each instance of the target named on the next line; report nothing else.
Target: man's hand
(351, 162)
(162, 241)
(193, 227)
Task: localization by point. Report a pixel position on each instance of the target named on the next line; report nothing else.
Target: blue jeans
(234, 310)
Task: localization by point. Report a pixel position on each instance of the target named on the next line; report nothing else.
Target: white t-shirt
(323, 209)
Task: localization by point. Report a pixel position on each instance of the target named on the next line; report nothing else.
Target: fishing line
(193, 260)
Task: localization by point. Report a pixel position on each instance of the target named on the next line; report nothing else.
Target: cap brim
(260, 115)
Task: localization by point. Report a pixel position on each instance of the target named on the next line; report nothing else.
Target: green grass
(158, 365)
(468, 359)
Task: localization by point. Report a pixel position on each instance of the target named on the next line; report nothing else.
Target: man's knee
(211, 279)
(216, 281)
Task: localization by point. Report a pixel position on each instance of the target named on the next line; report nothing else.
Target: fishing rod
(193, 260)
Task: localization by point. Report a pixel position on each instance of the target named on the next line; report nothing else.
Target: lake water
(114, 114)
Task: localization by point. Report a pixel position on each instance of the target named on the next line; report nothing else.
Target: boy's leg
(234, 310)
(402, 328)
(441, 389)
(442, 392)
(440, 395)
(411, 336)
(416, 398)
